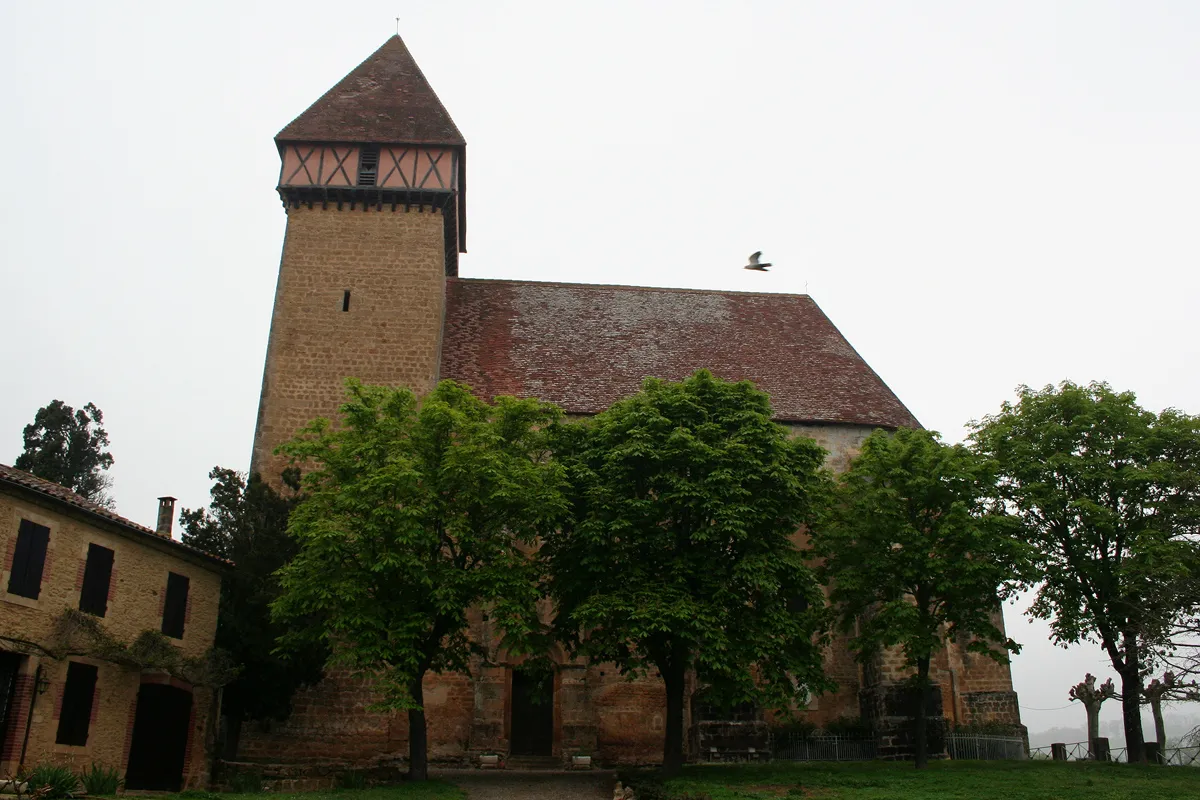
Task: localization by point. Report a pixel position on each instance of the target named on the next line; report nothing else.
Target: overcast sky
(978, 195)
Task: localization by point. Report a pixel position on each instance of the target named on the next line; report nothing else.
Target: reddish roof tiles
(585, 346)
(385, 99)
(65, 496)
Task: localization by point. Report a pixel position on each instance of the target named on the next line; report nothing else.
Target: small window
(368, 166)
(97, 576)
(175, 605)
(346, 300)
(29, 559)
(78, 695)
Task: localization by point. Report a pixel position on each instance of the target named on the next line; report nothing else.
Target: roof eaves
(106, 519)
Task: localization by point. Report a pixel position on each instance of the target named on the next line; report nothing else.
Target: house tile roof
(385, 99)
(64, 496)
(585, 346)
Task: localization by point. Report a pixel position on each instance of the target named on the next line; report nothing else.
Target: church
(373, 178)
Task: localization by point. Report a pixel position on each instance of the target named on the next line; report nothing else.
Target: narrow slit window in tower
(346, 300)
(368, 165)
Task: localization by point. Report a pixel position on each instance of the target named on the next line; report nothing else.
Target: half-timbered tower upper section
(380, 137)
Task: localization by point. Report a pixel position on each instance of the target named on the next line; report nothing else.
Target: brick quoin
(191, 735)
(129, 732)
(18, 715)
(59, 690)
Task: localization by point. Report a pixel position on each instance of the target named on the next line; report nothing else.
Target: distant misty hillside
(1177, 722)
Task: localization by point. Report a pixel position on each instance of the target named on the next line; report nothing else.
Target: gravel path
(505, 785)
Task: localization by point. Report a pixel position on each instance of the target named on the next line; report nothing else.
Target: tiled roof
(385, 99)
(65, 496)
(585, 346)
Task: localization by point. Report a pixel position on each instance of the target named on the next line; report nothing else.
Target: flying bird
(754, 262)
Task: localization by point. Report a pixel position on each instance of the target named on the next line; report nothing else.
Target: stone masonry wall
(135, 599)
(393, 264)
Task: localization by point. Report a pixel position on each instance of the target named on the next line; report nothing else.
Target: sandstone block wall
(135, 604)
(393, 265)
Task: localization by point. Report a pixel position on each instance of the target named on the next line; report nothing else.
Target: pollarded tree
(1108, 495)
(412, 514)
(678, 554)
(915, 555)
(1170, 687)
(1092, 697)
(70, 448)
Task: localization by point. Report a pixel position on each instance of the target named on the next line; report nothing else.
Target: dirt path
(505, 785)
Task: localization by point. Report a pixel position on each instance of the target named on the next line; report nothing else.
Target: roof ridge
(635, 287)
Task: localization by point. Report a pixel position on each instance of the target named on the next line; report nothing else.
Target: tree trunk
(418, 743)
(1131, 707)
(922, 721)
(1093, 719)
(1160, 730)
(673, 741)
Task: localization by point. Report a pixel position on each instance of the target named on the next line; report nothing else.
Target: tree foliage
(412, 515)
(246, 523)
(915, 555)
(678, 551)
(70, 448)
(1108, 494)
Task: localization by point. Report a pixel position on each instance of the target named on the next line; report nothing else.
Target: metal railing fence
(980, 747)
(798, 747)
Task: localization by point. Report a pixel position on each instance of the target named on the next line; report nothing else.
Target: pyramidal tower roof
(385, 99)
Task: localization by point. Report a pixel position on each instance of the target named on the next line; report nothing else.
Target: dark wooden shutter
(175, 606)
(97, 576)
(76, 716)
(368, 166)
(29, 559)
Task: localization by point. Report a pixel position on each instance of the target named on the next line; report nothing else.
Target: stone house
(79, 586)
(373, 181)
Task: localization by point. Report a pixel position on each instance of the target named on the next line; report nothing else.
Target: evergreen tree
(246, 523)
(70, 448)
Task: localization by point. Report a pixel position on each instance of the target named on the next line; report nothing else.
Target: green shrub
(99, 779)
(848, 726)
(989, 728)
(796, 727)
(352, 779)
(246, 781)
(52, 782)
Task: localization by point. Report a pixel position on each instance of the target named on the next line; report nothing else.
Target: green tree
(70, 448)
(246, 523)
(678, 554)
(1107, 494)
(412, 515)
(915, 555)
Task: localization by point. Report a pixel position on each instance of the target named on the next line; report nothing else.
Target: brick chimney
(166, 516)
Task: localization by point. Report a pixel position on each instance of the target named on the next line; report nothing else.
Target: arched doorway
(160, 735)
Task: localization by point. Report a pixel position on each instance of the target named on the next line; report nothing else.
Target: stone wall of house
(392, 263)
(135, 604)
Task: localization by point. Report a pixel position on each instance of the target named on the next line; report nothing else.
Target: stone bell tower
(373, 180)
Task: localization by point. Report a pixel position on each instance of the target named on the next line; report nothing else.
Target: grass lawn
(428, 790)
(969, 780)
